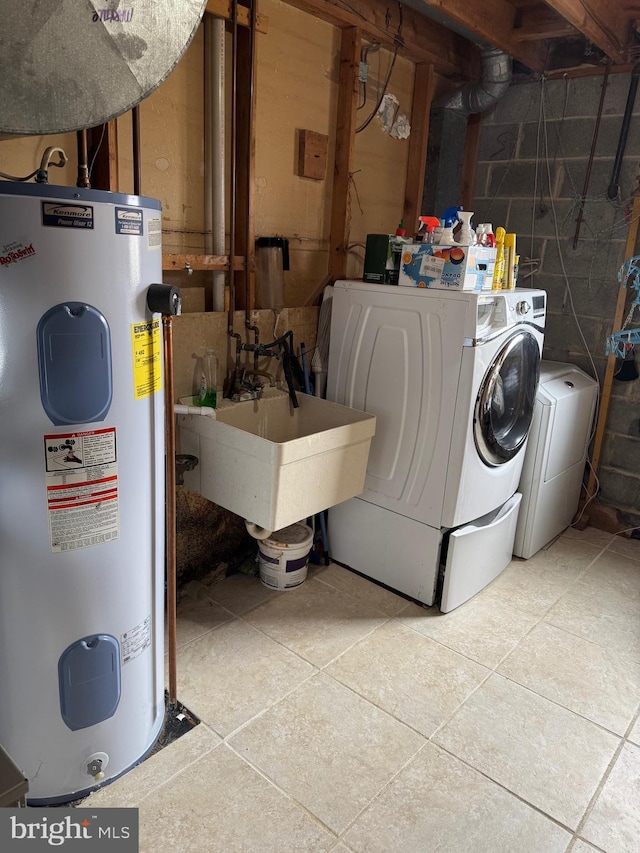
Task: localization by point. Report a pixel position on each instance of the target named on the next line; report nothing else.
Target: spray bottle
(426, 231)
(207, 392)
(448, 218)
(465, 234)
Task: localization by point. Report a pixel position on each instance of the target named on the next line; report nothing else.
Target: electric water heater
(81, 485)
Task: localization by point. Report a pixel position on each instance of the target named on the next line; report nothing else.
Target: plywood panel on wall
(171, 131)
(21, 156)
(380, 161)
(296, 88)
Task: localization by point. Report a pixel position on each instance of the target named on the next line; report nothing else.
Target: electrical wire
(374, 112)
(15, 178)
(97, 151)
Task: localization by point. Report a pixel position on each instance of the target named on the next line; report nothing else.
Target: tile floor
(342, 717)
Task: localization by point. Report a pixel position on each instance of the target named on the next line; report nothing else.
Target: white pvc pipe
(256, 531)
(207, 411)
(214, 154)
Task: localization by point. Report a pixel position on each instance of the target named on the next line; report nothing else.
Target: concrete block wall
(533, 160)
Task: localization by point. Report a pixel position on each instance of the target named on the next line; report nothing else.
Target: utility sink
(274, 464)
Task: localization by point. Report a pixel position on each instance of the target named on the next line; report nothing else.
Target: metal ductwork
(68, 64)
(448, 126)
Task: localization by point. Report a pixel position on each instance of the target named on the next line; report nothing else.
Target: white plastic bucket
(283, 557)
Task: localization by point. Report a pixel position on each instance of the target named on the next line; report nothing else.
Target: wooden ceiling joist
(418, 38)
(604, 22)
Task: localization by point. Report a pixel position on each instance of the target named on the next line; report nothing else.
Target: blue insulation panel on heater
(74, 360)
(89, 680)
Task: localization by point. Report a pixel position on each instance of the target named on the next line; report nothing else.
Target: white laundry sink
(273, 464)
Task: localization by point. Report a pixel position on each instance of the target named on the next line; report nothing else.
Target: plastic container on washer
(284, 556)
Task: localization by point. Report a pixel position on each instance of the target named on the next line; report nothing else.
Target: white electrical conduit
(214, 160)
(207, 411)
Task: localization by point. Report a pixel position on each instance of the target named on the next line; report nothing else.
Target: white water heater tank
(81, 486)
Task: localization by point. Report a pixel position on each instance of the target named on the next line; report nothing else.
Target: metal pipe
(249, 249)
(479, 96)
(614, 188)
(232, 161)
(594, 140)
(83, 160)
(214, 160)
(170, 487)
(135, 139)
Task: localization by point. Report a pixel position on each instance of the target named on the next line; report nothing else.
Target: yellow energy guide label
(147, 368)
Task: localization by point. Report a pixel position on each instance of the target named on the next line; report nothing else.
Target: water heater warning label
(135, 641)
(82, 489)
(146, 343)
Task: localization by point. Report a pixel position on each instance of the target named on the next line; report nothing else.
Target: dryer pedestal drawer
(387, 547)
(478, 553)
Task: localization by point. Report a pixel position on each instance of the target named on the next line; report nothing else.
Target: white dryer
(556, 453)
(451, 377)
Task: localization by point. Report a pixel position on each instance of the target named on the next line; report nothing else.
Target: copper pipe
(83, 160)
(170, 491)
(135, 139)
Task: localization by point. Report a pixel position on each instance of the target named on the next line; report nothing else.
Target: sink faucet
(266, 374)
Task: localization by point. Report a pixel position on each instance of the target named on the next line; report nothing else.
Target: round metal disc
(69, 64)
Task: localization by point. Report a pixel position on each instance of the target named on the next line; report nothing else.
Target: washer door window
(504, 407)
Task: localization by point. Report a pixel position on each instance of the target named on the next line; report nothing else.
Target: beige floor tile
(412, 677)
(363, 589)
(240, 593)
(614, 570)
(330, 749)
(628, 547)
(580, 846)
(596, 683)
(614, 822)
(568, 556)
(221, 805)
(589, 534)
(543, 753)
(603, 614)
(634, 734)
(316, 621)
(482, 629)
(531, 585)
(134, 786)
(197, 614)
(229, 675)
(439, 803)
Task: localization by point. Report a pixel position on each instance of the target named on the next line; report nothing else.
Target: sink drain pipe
(256, 531)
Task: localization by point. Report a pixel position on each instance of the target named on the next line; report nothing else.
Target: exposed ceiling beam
(604, 22)
(489, 21)
(419, 38)
(548, 30)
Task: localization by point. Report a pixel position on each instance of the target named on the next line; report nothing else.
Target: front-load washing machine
(451, 377)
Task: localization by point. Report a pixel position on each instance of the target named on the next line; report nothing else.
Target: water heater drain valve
(96, 765)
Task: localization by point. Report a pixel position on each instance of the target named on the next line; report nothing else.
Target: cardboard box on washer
(448, 267)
